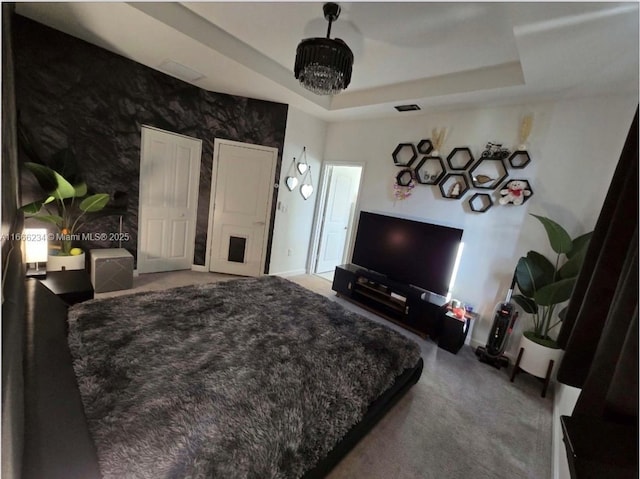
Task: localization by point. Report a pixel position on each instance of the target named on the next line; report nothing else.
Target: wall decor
(488, 173)
(515, 192)
(291, 181)
(438, 135)
(306, 189)
(480, 202)
(404, 177)
(430, 170)
(519, 159)
(494, 151)
(302, 167)
(453, 186)
(403, 184)
(460, 158)
(404, 154)
(462, 172)
(525, 130)
(425, 147)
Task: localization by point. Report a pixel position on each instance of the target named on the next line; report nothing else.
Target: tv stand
(400, 303)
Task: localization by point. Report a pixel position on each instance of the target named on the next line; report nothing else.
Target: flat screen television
(407, 251)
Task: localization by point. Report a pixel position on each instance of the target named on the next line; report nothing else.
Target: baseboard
(286, 274)
(199, 268)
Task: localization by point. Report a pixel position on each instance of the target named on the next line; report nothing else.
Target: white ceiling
(448, 54)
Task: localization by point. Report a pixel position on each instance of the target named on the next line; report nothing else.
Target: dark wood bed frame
(45, 428)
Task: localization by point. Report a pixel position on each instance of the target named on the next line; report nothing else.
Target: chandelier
(323, 65)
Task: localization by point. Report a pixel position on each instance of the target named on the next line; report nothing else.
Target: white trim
(149, 127)
(212, 194)
(320, 205)
(199, 268)
(287, 274)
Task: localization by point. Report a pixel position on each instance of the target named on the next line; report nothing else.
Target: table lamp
(35, 252)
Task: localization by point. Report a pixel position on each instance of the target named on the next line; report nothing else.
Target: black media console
(413, 308)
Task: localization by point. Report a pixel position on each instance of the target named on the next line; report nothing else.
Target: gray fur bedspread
(251, 378)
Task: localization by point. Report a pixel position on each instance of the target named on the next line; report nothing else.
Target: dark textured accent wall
(72, 93)
(9, 139)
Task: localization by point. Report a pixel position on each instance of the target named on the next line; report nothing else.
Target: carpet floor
(463, 419)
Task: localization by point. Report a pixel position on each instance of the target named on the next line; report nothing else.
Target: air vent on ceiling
(412, 107)
(180, 71)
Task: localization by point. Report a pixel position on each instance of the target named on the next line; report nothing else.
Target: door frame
(144, 127)
(212, 194)
(319, 213)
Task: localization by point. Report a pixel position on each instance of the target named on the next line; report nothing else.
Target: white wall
(574, 146)
(294, 215)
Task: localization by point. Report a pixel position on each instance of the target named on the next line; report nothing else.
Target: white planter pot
(535, 358)
(60, 263)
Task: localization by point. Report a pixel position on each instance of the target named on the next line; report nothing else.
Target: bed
(251, 378)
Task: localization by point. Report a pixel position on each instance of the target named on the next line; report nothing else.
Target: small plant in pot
(64, 205)
(63, 199)
(545, 284)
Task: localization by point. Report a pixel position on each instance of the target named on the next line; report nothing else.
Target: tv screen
(407, 251)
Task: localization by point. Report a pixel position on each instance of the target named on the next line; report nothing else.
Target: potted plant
(544, 285)
(66, 206)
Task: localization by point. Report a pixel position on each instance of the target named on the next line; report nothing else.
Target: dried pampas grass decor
(525, 130)
(437, 139)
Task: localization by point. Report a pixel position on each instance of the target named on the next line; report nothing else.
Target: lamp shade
(35, 245)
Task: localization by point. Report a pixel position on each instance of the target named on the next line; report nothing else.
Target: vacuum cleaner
(503, 321)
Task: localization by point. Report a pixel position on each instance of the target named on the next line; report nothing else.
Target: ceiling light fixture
(323, 65)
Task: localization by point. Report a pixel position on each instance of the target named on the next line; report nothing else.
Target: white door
(169, 179)
(341, 194)
(242, 195)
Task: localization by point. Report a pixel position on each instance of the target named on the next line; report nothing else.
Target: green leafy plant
(64, 205)
(545, 284)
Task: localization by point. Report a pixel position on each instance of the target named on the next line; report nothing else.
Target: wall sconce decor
(36, 251)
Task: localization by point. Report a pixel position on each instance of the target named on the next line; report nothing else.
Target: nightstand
(453, 330)
(72, 286)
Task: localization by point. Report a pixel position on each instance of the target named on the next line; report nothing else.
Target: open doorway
(340, 188)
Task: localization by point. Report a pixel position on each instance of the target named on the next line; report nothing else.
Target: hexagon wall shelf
(480, 202)
(488, 173)
(404, 154)
(425, 147)
(519, 159)
(460, 159)
(430, 170)
(453, 186)
(404, 177)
